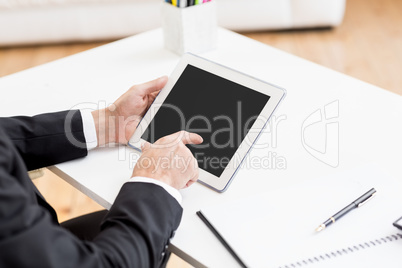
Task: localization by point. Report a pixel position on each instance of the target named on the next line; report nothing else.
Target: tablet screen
(219, 110)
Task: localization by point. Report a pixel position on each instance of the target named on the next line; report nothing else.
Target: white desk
(370, 122)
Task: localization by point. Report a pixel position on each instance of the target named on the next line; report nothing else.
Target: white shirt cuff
(172, 191)
(89, 129)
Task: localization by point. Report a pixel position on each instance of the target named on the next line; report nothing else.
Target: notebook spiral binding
(337, 253)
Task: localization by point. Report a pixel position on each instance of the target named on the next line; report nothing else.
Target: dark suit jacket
(134, 233)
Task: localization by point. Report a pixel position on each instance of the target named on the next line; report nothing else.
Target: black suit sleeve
(134, 233)
(47, 139)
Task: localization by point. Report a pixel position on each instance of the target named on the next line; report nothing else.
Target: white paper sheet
(278, 228)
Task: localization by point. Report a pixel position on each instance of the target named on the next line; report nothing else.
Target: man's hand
(117, 123)
(169, 160)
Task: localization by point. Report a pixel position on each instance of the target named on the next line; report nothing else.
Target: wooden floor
(368, 46)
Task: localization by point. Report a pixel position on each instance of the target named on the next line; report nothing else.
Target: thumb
(152, 86)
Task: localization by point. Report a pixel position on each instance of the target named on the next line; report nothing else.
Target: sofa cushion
(50, 21)
(16, 4)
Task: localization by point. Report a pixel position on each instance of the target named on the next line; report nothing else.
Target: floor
(368, 46)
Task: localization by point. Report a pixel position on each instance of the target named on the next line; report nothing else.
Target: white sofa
(49, 21)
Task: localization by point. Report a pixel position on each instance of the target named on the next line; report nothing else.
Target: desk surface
(366, 123)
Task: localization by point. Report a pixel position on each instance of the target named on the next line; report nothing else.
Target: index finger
(145, 146)
(191, 138)
(178, 137)
(186, 137)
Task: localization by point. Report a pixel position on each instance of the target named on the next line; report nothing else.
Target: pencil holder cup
(190, 29)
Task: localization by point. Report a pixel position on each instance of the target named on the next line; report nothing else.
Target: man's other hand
(117, 123)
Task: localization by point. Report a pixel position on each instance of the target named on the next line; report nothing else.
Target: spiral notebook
(286, 220)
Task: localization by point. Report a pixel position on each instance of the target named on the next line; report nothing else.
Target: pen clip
(365, 201)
